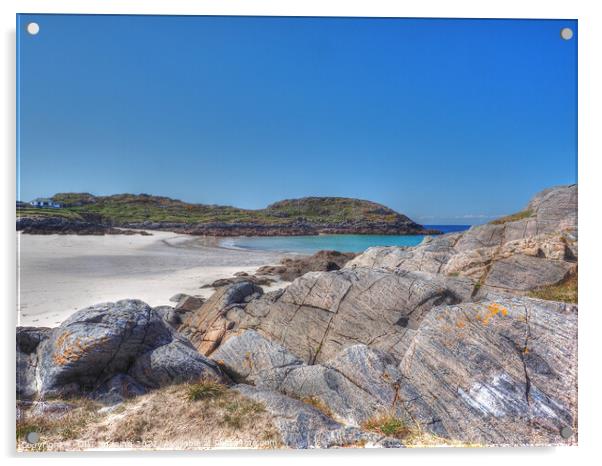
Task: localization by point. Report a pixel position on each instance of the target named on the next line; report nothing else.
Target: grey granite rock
(206, 326)
(96, 342)
(175, 362)
(28, 339)
(102, 341)
(321, 313)
(496, 372)
(358, 384)
(252, 359)
(117, 389)
(523, 273)
(51, 410)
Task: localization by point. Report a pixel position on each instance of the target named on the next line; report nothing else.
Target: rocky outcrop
(439, 334)
(102, 341)
(519, 253)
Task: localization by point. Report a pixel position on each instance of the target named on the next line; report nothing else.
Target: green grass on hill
(43, 212)
(512, 217)
(131, 208)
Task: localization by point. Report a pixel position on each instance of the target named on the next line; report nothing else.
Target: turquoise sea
(344, 243)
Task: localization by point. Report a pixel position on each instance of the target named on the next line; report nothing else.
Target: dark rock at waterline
(188, 303)
(260, 281)
(300, 228)
(47, 225)
(322, 261)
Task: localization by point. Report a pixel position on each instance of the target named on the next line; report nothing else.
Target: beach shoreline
(60, 274)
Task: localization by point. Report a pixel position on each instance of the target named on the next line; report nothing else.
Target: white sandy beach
(59, 274)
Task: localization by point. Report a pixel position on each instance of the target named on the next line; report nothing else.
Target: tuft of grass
(164, 418)
(388, 425)
(56, 427)
(565, 290)
(205, 390)
(132, 430)
(512, 218)
(240, 413)
(411, 436)
(318, 404)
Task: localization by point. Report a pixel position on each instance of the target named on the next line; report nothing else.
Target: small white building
(46, 202)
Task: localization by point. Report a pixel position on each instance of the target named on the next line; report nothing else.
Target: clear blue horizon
(446, 121)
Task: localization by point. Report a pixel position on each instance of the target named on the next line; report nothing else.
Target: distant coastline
(83, 213)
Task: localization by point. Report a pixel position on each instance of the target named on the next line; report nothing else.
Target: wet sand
(59, 274)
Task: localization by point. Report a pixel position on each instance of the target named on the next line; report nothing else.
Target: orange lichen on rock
(492, 310)
(71, 351)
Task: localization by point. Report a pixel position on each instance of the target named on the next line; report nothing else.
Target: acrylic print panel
(296, 232)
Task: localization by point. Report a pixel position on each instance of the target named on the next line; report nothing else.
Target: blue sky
(447, 121)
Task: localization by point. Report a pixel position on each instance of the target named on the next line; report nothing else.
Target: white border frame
(590, 153)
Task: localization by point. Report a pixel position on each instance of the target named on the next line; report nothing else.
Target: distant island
(84, 213)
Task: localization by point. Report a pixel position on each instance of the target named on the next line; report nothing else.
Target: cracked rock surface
(303, 426)
(500, 371)
(321, 313)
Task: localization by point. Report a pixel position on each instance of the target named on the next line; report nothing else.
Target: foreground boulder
(496, 372)
(99, 342)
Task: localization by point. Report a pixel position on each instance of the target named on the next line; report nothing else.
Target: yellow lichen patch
(492, 309)
(460, 324)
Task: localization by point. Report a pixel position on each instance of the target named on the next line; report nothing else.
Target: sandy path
(59, 274)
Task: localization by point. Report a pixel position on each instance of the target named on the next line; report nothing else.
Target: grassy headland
(310, 215)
